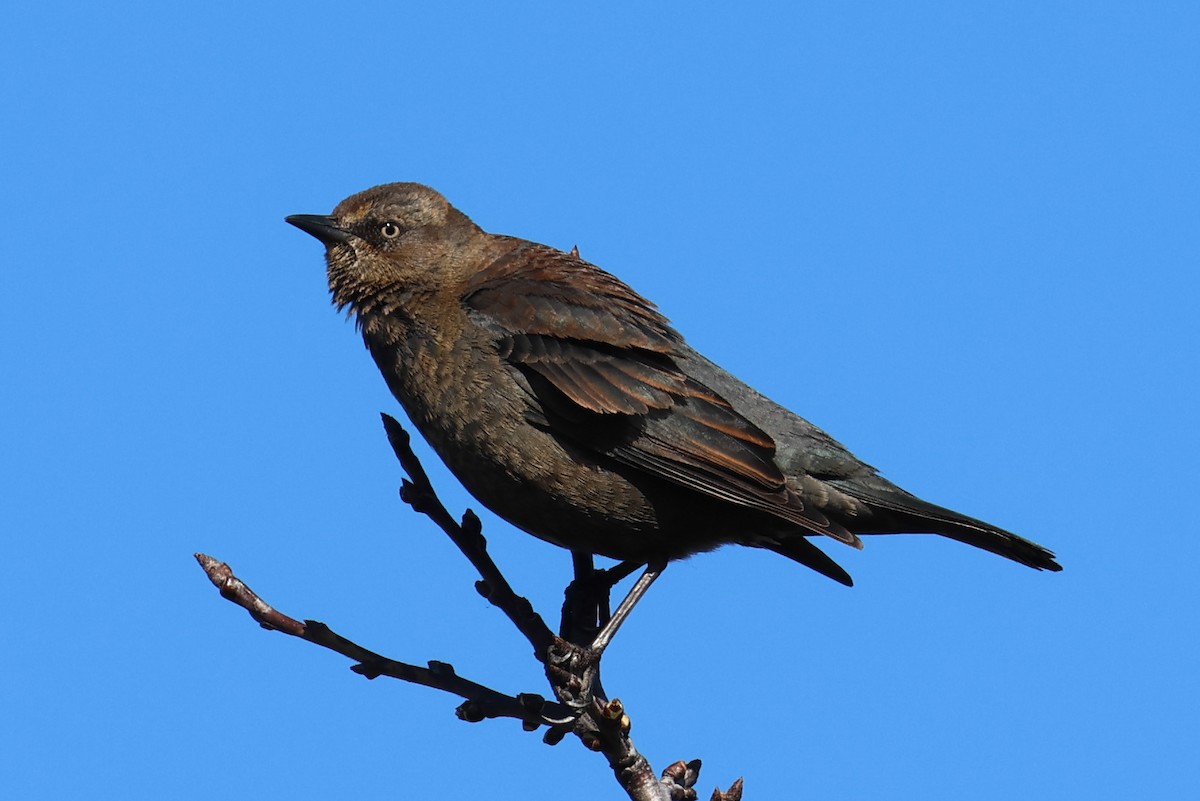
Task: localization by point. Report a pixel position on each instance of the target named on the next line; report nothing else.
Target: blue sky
(961, 239)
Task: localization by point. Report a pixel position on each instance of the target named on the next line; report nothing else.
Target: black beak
(323, 228)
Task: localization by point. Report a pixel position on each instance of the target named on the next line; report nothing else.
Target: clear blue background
(962, 239)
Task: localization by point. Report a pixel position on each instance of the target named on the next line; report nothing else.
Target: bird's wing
(883, 508)
(599, 359)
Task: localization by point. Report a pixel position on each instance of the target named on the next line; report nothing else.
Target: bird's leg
(609, 630)
(586, 601)
(573, 667)
(584, 604)
(572, 672)
(611, 576)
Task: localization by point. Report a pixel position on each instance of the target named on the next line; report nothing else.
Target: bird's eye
(390, 230)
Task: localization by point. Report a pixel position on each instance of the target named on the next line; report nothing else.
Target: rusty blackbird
(567, 404)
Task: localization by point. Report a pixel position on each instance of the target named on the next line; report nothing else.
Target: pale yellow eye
(390, 230)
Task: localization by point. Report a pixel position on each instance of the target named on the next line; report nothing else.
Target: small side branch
(468, 536)
(481, 702)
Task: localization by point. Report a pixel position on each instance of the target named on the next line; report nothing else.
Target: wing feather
(599, 358)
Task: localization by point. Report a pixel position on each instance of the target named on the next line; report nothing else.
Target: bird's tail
(895, 511)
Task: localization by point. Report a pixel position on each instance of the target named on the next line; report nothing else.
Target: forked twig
(573, 668)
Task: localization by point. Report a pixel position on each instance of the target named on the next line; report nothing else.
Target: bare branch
(573, 668)
(481, 702)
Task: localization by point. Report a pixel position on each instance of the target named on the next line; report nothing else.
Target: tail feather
(895, 511)
(801, 550)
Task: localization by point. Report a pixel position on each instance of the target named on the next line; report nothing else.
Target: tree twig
(481, 702)
(468, 536)
(573, 668)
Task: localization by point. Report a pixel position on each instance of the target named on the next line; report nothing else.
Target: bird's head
(392, 243)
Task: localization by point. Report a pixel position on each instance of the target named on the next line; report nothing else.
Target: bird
(567, 404)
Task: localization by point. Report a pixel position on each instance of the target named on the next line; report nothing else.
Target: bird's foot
(574, 674)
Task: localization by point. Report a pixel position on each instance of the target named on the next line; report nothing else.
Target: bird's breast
(472, 408)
